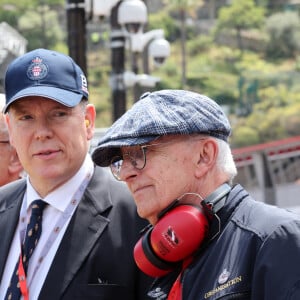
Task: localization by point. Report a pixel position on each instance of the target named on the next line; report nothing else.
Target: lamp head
(132, 15)
(145, 80)
(159, 50)
(100, 9)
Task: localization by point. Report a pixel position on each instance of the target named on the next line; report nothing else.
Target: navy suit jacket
(95, 257)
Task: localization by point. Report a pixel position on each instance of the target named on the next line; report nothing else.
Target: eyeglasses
(137, 158)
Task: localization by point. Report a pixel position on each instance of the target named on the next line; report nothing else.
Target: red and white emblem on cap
(37, 69)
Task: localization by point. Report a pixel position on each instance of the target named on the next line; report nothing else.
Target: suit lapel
(9, 217)
(85, 228)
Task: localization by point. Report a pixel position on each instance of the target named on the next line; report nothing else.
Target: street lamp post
(127, 18)
(77, 32)
(117, 45)
(110, 8)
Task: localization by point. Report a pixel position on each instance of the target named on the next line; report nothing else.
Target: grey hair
(225, 161)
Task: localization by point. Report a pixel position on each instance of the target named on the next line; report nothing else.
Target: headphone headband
(216, 200)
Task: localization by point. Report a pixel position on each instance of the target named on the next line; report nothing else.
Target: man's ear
(90, 116)
(207, 152)
(15, 166)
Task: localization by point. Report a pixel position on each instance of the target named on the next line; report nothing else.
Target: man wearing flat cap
(208, 238)
(68, 229)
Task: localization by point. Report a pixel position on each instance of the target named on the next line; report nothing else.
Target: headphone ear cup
(177, 235)
(146, 259)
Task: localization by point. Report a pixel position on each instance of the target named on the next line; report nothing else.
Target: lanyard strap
(53, 235)
(176, 290)
(22, 280)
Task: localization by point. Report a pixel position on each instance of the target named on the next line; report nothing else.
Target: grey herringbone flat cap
(162, 113)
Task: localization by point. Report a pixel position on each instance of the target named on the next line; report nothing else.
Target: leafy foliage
(276, 117)
(240, 15)
(41, 28)
(36, 20)
(284, 34)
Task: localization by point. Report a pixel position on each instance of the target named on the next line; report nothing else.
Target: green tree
(276, 117)
(36, 20)
(184, 8)
(41, 28)
(284, 35)
(240, 15)
(244, 136)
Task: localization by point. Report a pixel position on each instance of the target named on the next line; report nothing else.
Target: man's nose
(43, 130)
(127, 170)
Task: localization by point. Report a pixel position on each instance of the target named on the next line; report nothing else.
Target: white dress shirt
(58, 201)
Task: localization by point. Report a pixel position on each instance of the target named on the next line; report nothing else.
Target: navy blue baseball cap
(159, 114)
(45, 73)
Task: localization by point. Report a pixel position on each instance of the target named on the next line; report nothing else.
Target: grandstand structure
(271, 171)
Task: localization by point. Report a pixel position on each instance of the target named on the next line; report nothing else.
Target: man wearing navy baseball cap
(62, 227)
(208, 239)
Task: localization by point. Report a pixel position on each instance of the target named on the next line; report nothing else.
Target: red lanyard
(60, 223)
(176, 290)
(22, 280)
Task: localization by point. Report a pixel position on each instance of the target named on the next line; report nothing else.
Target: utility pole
(77, 32)
(117, 45)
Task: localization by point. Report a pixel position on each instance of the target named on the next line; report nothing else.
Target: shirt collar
(61, 196)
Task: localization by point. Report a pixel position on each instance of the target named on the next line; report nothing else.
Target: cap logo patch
(84, 85)
(37, 69)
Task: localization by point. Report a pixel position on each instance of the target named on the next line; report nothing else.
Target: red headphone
(178, 233)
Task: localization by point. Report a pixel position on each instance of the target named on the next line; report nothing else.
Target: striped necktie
(33, 233)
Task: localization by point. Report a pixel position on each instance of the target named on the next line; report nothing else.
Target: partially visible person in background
(10, 166)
